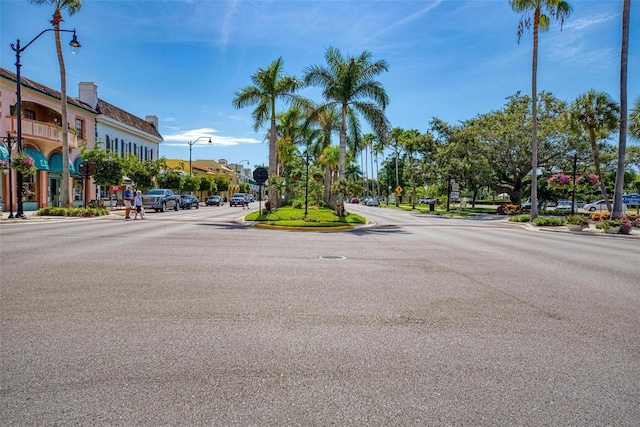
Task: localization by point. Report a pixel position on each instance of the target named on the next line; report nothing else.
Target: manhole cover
(332, 257)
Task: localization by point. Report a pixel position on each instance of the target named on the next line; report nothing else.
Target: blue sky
(184, 60)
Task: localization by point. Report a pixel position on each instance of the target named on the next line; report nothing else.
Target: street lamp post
(75, 45)
(573, 189)
(191, 145)
(9, 143)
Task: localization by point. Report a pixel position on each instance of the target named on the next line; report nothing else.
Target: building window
(29, 187)
(80, 128)
(108, 144)
(29, 114)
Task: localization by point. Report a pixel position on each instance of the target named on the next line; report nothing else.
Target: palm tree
(395, 143)
(71, 7)
(622, 142)
(348, 83)
(597, 114)
(269, 86)
(378, 148)
(634, 120)
(556, 10)
(329, 122)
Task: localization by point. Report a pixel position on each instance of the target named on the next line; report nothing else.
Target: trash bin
(432, 207)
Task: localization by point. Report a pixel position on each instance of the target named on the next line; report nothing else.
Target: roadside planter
(576, 222)
(610, 226)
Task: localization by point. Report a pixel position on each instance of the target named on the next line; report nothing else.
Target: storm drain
(332, 257)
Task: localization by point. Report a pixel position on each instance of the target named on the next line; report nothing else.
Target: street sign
(87, 168)
(260, 175)
(398, 190)
(455, 186)
(455, 195)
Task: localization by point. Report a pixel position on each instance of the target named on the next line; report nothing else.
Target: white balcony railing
(40, 130)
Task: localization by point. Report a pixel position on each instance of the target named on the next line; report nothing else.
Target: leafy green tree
(208, 184)
(170, 179)
(505, 133)
(269, 86)
(533, 16)
(597, 114)
(108, 166)
(222, 183)
(71, 7)
(191, 183)
(347, 83)
(395, 143)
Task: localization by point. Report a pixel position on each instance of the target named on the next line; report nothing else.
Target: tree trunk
(596, 161)
(273, 162)
(617, 211)
(65, 200)
(534, 119)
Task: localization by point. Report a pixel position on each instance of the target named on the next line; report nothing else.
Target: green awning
(4, 153)
(55, 164)
(76, 165)
(38, 158)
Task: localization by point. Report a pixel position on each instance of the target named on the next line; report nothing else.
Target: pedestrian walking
(137, 202)
(128, 201)
(245, 202)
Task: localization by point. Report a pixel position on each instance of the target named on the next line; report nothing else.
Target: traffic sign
(260, 175)
(455, 195)
(398, 190)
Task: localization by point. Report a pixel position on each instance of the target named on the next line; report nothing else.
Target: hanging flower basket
(4, 165)
(23, 163)
(296, 176)
(318, 177)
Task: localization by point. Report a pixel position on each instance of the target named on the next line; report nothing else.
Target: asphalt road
(190, 318)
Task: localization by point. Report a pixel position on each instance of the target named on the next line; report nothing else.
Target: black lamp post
(75, 45)
(191, 145)
(573, 190)
(306, 184)
(8, 141)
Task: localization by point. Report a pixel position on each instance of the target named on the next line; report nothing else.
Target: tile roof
(122, 116)
(44, 90)
(103, 107)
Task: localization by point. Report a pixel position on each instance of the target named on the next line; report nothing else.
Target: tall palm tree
(269, 86)
(622, 142)
(556, 10)
(597, 114)
(71, 7)
(349, 83)
(378, 149)
(366, 142)
(395, 142)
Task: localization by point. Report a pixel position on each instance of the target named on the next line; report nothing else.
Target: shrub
(577, 220)
(608, 223)
(74, 212)
(599, 216)
(508, 209)
(520, 218)
(549, 221)
(625, 227)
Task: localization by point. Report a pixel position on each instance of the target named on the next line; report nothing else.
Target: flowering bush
(23, 163)
(599, 216)
(625, 226)
(577, 220)
(4, 164)
(559, 180)
(587, 179)
(508, 209)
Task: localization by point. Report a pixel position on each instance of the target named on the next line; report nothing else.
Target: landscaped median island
(578, 222)
(317, 219)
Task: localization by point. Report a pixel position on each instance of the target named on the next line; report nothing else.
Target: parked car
(372, 201)
(214, 201)
(188, 201)
(526, 205)
(355, 200)
(601, 205)
(428, 201)
(580, 203)
(563, 205)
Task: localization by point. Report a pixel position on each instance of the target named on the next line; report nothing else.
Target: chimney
(153, 120)
(88, 93)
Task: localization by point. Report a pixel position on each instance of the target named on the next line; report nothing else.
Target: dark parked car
(214, 201)
(188, 201)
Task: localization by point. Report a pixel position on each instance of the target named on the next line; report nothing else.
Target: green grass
(288, 216)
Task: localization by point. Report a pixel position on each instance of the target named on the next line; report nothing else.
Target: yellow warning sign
(398, 190)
